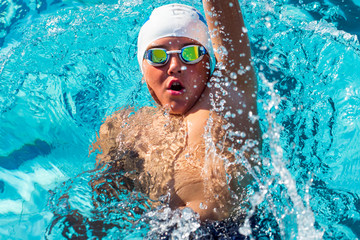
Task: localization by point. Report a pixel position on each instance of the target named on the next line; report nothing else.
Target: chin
(178, 111)
(179, 108)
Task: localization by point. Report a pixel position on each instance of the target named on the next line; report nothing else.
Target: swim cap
(175, 20)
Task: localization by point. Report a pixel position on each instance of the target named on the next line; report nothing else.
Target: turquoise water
(65, 65)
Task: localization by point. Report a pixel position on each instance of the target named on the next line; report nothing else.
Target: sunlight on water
(64, 66)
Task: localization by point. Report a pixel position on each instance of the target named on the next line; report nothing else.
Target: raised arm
(232, 51)
(230, 41)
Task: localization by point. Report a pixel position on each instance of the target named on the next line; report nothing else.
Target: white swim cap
(175, 20)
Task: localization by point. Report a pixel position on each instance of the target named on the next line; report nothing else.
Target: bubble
(263, 47)
(241, 72)
(183, 68)
(227, 114)
(202, 206)
(265, 136)
(233, 75)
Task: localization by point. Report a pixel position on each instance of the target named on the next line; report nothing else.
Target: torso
(179, 155)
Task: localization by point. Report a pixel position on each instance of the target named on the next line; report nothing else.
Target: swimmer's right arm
(232, 51)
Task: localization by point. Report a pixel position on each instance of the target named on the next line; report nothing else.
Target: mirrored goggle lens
(191, 53)
(157, 56)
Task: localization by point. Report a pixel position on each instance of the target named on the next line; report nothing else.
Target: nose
(175, 64)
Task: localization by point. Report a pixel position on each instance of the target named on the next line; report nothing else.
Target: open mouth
(176, 86)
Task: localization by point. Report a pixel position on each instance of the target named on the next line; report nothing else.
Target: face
(176, 86)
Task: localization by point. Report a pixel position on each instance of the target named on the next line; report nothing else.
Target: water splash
(304, 216)
(48, 73)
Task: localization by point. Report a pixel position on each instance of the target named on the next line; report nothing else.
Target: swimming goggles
(189, 54)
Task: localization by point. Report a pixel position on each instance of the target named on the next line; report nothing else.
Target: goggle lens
(158, 56)
(191, 53)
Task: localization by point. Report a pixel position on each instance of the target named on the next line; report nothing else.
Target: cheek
(202, 73)
(203, 70)
(152, 73)
(149, 76)
(199, 79)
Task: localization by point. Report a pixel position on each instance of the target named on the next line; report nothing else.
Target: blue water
(65, 65)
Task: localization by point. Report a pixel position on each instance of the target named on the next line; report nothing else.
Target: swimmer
(205, 88)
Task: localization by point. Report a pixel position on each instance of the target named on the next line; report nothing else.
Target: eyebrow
(157, 46)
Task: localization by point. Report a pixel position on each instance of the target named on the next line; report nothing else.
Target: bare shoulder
(125, 122)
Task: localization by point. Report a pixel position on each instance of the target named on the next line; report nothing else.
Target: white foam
(27, 184)
(10, 206)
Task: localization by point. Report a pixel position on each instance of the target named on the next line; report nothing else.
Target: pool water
(66, 65)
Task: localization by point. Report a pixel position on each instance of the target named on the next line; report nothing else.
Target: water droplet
(245, 230)
(202, 206)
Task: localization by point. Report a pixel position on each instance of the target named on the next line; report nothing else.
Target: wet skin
(192, 107)
(191, 77)
(192, 102)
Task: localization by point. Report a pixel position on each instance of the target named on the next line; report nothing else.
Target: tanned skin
(206, 192)
(227, 29)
